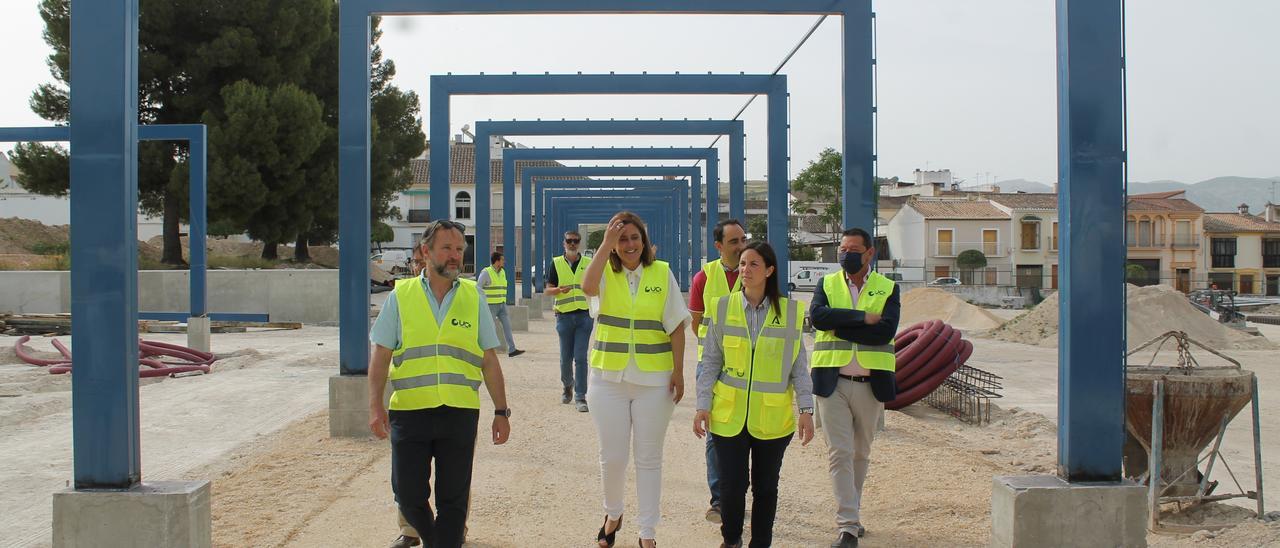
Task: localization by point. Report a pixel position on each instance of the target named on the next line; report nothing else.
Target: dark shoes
(567, 397)
(515, 353)
(605, 540)
(404, 541)
(713, 513)
(734, 545)
(845, 540)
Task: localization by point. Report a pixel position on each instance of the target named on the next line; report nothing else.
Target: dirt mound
(930, 303)
(19, 236)
(1152, 311)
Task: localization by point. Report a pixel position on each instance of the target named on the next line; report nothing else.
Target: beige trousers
(849, 418)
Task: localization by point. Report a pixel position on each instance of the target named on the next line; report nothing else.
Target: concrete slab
(1048, 511)
(163, 513)
(534, 304)
(519, 318)
(349, 406)
(548, 302)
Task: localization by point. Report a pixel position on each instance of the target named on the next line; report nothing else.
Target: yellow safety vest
(754, 388)
(631, 327)
(496, 292)
(717, 286)
(574, 298)
(832, 351)
(437, 364)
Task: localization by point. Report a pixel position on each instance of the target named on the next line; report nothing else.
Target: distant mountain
(1023, 185)
(1222, 194)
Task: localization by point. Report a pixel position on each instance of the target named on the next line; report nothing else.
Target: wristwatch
(806, 410)
(502, 412)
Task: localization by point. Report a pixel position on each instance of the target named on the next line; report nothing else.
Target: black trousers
(765, 464)
(446, 435)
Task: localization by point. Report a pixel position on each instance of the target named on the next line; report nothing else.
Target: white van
(806, 275)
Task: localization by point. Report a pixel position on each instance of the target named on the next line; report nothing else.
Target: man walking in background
(573, 323)
(493, 282)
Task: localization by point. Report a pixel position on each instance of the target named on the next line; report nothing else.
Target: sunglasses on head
(572, 240)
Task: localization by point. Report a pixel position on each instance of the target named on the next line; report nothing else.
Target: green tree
(821, 189)
(758, 227)
(1135, 273)
(970, 260)
(190, 52)
(595, 238)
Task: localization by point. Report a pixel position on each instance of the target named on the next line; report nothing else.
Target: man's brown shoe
(404, 541)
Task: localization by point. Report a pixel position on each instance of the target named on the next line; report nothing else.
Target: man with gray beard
(438, 333)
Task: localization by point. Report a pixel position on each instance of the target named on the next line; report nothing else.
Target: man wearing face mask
(855, 312)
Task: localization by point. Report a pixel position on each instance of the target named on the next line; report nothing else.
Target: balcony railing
(419, 215)
(1185, 243)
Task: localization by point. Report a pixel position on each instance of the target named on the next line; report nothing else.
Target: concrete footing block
(519, 318)
(160, 513)
(548, 302)
(198, 333)
(534, 305)
(1048, 511)
(349, 406)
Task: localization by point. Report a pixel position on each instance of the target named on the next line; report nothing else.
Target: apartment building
(1033, 241)
(1243, 251)
(1163, 234)
(928, 234)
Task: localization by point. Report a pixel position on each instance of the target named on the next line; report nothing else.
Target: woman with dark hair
(637, 368)
(754, 371)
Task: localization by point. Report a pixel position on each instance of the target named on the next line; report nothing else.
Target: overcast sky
(968, 86)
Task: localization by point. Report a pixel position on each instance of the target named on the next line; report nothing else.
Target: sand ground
(257, 427)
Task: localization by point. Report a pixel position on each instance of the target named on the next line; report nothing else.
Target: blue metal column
(858, 169)
(779, 178)
(199, 219)
(670, 217)
(737, 172)
(104, 248)
(1091, 209)
(353, 191)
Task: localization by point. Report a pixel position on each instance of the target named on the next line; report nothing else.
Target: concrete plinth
(349, 406)
(534, 304)
(519, 318)
(161, 513)
(198, 333)
(1048, 511)
(548, 302)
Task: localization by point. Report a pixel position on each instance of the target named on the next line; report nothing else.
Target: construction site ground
(257, 427)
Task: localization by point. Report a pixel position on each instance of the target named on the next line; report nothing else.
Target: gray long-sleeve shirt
(713, 359)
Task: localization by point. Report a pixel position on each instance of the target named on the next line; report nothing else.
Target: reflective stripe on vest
(631, 327)
(574, 299)
(437, 364)
(832, 351)
(754, 388)
(717, 286)
(496, 291)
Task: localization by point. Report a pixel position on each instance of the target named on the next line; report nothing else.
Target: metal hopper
(1192, 405)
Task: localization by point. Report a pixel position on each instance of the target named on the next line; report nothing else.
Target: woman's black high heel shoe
(606, 540)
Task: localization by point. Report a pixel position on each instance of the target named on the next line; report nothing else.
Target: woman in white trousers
(637, 368)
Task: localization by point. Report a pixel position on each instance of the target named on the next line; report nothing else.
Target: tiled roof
(1174, 200)
(891, 202)
(956, 209)
(462, 166)
(1235, 222)
(1026, 200)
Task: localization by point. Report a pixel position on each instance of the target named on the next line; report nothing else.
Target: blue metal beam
(104, 284)
(196, 136)
(354, 29)
(573, 211)
(1091, 209)
(732, 128)
(677, 190)
(527, 175)
(667, 191)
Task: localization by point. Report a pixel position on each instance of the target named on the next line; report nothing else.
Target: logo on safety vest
(776, 321)
(459, 323)
(653, 289)
(877, 293)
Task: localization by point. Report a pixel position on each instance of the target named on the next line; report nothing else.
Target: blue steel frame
(529, 173)
(196, 136)
(672, 191)
(857, 119)
(679, 191)
(444, 87)
(1091, 208)
(731, 128)
(675, 192)
(574, 211)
